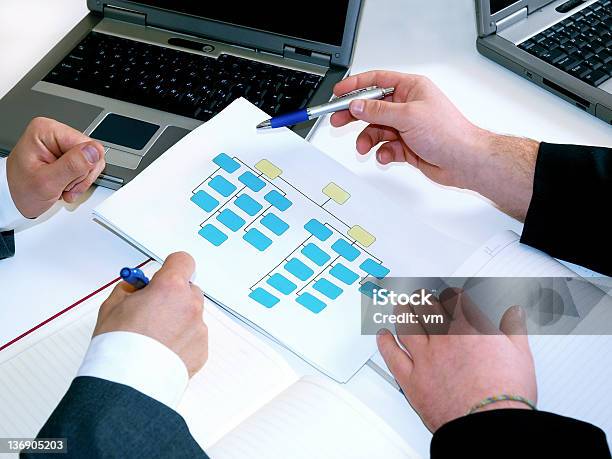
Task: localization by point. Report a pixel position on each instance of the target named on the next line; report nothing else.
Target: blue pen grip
(289, 119)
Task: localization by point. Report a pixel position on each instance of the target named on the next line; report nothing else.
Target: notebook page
(241, 375)
(36, 373)
(574, 374)
(313, 418)
(504, 256)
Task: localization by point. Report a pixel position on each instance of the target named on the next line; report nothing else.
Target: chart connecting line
(240, 199)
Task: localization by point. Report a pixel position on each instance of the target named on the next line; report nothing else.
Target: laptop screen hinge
(125, 15)
(305, 55)
(511, 20)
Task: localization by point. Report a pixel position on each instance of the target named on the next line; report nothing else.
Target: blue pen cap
(134, 277)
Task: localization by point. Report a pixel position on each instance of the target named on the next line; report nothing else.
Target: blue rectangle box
(251, 181)
(257, 239)
(318, 230)
(311, 302)
(342, 273)
(278, 200)
(331, 291)
(248, 204)
(298, 269)
(213, 235)
(222, 186)
(346, 250)
(263, 297)
(374, 269)
(368, 289)
(274, 224)
(231, 220)
(204, 201)
(282, 284)
(226, 163)
(315, 254)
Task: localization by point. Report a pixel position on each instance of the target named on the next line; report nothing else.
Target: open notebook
(282, 234)
(275, 414)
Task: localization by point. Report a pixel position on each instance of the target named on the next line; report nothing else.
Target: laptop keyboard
(179, 82)
(581, 45)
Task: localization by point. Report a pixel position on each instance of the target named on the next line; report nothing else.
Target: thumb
(74, 165)
(380, 112)
(513, 325)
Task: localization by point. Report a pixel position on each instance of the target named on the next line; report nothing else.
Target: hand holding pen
(336, 105)
(168, 310)
(420, 126)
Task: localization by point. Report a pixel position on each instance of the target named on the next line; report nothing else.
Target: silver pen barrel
(342, 103)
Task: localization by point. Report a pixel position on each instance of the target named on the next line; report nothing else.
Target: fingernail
(91, 153)
(71, 196)
(357, 107)
(383, 157)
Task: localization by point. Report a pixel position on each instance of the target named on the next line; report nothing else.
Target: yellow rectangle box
(336, 193)
(362, 236)
(268, 169)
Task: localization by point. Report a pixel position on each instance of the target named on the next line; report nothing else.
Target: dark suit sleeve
(7, 244)
(569, 214)
(100, 418)
(514, 433)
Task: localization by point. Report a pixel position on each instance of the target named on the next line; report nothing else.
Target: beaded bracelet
(502, 398)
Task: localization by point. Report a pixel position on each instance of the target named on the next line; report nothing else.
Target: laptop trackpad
(117, 131)
(122, 158)
(126, 132)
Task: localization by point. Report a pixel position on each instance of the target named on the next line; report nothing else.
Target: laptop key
(596, 78)
(567, 63)
(594, 64)
(554, 56)
(580, 71)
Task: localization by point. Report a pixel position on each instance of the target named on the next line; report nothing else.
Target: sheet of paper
(36, 373)
(313, 418)
(282, 234)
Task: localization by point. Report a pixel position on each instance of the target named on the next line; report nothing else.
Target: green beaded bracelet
(502, 398)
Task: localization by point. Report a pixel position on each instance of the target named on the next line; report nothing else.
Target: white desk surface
(435, 38)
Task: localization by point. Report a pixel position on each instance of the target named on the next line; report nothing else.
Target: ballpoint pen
(336, 105)
(135, 277)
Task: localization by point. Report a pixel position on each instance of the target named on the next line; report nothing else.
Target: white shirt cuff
(10, 216)
(137, 361)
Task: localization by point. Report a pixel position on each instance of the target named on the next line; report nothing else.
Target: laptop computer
(140, 75)
(563, 46)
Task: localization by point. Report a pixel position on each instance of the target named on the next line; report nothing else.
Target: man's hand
(419, 125)
(168, 310)
(51, 161)
(445, 372)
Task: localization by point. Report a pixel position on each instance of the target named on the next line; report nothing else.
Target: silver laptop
(564, 46)
(140, 75)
